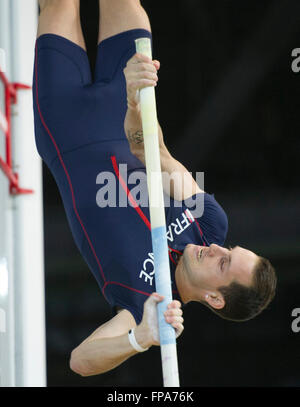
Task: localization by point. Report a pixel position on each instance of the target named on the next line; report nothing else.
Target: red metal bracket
(10, 91)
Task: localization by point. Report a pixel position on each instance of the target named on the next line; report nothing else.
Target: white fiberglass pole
(158, 224)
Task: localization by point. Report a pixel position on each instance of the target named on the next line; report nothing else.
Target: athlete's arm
(109, 345)
(141, 72)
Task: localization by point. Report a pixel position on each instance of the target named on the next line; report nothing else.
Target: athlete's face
(209, 268)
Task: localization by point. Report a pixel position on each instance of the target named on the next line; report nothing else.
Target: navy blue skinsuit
(79, 130)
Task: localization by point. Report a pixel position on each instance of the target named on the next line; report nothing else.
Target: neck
(182, 282)
(185, 288)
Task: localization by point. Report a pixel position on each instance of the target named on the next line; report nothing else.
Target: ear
(215, 300)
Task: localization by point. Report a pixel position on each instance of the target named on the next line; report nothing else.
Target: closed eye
(224, 261)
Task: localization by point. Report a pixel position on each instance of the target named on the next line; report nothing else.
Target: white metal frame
(23, 350)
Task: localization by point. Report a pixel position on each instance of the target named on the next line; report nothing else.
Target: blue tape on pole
(162, 282)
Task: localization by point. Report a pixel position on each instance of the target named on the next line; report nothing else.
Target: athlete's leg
(61, 73)
(121, 15)
(61, 17)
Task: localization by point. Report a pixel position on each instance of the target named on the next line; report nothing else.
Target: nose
(215, 249)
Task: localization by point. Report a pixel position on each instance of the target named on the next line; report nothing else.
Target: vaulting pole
(158, 224)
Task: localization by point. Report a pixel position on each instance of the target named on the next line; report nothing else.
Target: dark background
(228, 103)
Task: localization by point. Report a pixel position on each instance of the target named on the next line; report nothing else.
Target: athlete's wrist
(142, 337)
(133, 105)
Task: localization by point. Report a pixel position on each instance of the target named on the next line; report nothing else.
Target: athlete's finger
(140, 60)
(174, 304)
(147, 75)
(174, 312)
(144, 83)
(156, 64)
(178, 329)
(138, 57)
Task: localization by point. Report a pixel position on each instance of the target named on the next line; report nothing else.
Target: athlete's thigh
(61, 17)
(121, 15)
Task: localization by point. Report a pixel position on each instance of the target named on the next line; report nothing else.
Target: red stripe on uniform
(128, 193)
(125, 286)
(130, 288)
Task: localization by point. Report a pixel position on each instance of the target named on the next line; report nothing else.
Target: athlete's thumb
(155, 298)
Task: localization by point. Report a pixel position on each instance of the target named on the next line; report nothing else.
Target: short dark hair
(243, 303)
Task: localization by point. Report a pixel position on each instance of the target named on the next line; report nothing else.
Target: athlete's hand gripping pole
(158, 224)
